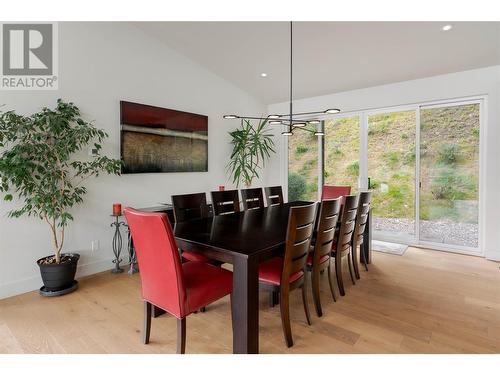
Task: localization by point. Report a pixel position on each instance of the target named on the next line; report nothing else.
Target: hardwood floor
(423, 302)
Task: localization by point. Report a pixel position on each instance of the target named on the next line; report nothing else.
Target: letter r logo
(27, 49)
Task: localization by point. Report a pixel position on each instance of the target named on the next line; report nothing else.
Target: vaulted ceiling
(329, 57)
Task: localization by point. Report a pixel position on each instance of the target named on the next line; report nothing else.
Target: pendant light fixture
(292, 121)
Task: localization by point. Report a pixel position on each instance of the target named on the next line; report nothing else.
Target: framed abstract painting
(161, 140)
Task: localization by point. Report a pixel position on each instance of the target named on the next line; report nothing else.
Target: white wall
(484, 81)
(99, 65)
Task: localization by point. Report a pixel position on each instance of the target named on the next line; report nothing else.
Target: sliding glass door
(391, 172)
(449, 174)
(421, 161)
(342, 152)
(303, 157)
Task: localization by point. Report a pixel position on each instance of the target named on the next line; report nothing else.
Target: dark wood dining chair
(342, 247)
(282, 275)
(365, 198)
(176, 287)
(274, 195)
(190, 207)
(225, 202)
(252, 198)
(319, 256)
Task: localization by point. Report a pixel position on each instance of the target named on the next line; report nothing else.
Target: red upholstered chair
(190, 207)
(333, 192)
(178, 288)
(286, 274)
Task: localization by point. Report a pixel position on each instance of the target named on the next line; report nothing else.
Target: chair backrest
(190, 206)
(329, 213)
(298, 239)
(274, 195)
(252, 198)
(347, 221)
(365, 198)
(333, 192)
(225, 202)
(159, 261)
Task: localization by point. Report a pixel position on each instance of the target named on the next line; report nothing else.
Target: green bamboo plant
(38, 164)
(251, 147)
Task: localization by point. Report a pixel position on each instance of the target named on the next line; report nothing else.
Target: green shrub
(301, 149)
(353, 169)
(378, 128)
(296, 187)
(409, 156)
(449, 154)
(451, 186)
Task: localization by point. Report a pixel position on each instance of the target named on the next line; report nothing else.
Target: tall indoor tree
(39, 165)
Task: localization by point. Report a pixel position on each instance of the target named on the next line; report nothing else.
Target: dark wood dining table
(243, 239)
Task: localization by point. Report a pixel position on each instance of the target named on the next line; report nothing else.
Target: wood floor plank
(423, 302)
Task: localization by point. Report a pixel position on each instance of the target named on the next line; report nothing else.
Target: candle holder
(117, 243)
(132, 258)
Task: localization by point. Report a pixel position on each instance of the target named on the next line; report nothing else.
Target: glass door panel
(342, 152)
(449, 174)
(303, 155)
(391, 170)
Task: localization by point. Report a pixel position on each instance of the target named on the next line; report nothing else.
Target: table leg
(245, 305)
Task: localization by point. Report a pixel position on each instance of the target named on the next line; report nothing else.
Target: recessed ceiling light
(332, 110)
(447, 27)
(263, 75)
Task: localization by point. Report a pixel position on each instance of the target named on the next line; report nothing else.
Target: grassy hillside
(449, 162)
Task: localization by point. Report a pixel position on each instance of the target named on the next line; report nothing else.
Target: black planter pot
(58, 278)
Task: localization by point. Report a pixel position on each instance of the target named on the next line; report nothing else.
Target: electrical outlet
(95, 245)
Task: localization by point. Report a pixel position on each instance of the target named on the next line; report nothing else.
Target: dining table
(243, 239)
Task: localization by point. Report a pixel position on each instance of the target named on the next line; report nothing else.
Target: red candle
(221, 187)
(117, 209)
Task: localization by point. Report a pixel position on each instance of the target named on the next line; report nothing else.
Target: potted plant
(38, 165)
(251, 147)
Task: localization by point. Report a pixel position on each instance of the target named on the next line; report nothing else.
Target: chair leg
(304, 300)
(147, 322)
(364, 258)
(181, 336)
(231, 307)
(338, 274)
(315, 292)
(330, 281)
(351, 270)
(355, 262)
(272, 298)
(285, 317)
(203, 309)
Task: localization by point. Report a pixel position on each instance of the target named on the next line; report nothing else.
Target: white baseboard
(33, 283)
(492, 255)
